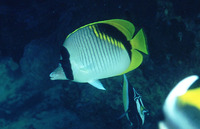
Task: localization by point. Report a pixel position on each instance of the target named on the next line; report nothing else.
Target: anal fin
(97, 84)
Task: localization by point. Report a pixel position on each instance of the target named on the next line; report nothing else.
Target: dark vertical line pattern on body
(111, 46)
(104, 50)
(77, 47)
(104, 58)
(91, 50)
(82, 54)
(101, 45)
(98, 50)
(94, 51)
(119, 49)
(114, 48)
(84, 48)
(107, 50)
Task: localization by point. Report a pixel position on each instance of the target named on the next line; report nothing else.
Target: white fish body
(97, 60)
(100, 50)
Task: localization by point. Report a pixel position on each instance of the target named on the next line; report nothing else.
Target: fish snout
(58, 74)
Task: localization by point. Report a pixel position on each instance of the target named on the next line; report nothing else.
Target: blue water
(31, 33)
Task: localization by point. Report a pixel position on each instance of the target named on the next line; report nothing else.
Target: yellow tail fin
(139, 42)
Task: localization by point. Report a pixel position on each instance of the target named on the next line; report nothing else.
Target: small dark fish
(133, 105)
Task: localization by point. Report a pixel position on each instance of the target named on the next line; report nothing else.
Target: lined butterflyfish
(133, 105)
(182, 106)
(100, 50)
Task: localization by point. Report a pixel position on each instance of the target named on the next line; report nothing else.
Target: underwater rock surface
(31, 34)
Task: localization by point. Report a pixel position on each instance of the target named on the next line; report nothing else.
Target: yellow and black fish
(100, 50)
(182, 106)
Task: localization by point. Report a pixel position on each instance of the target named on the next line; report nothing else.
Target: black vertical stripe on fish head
(133, 114)
(115, 34)
(65, 62)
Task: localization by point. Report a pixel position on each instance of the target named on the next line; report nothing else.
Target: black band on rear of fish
(65, 62)
(116, 34)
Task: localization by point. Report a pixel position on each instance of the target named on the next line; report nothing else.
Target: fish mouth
(58, 74)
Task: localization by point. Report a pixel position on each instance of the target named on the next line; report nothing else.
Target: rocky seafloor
(31, 33)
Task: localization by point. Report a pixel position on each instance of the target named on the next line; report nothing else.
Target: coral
(8, 83)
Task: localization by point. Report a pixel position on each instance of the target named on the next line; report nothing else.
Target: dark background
(31, 33)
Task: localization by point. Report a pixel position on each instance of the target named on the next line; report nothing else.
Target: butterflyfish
(182, 106)
(100, 50)
(133, 105)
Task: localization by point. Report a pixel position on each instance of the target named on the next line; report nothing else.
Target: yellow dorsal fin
(191, 97)
(126, 27)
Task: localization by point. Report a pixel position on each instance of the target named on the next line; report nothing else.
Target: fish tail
(139, 42)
